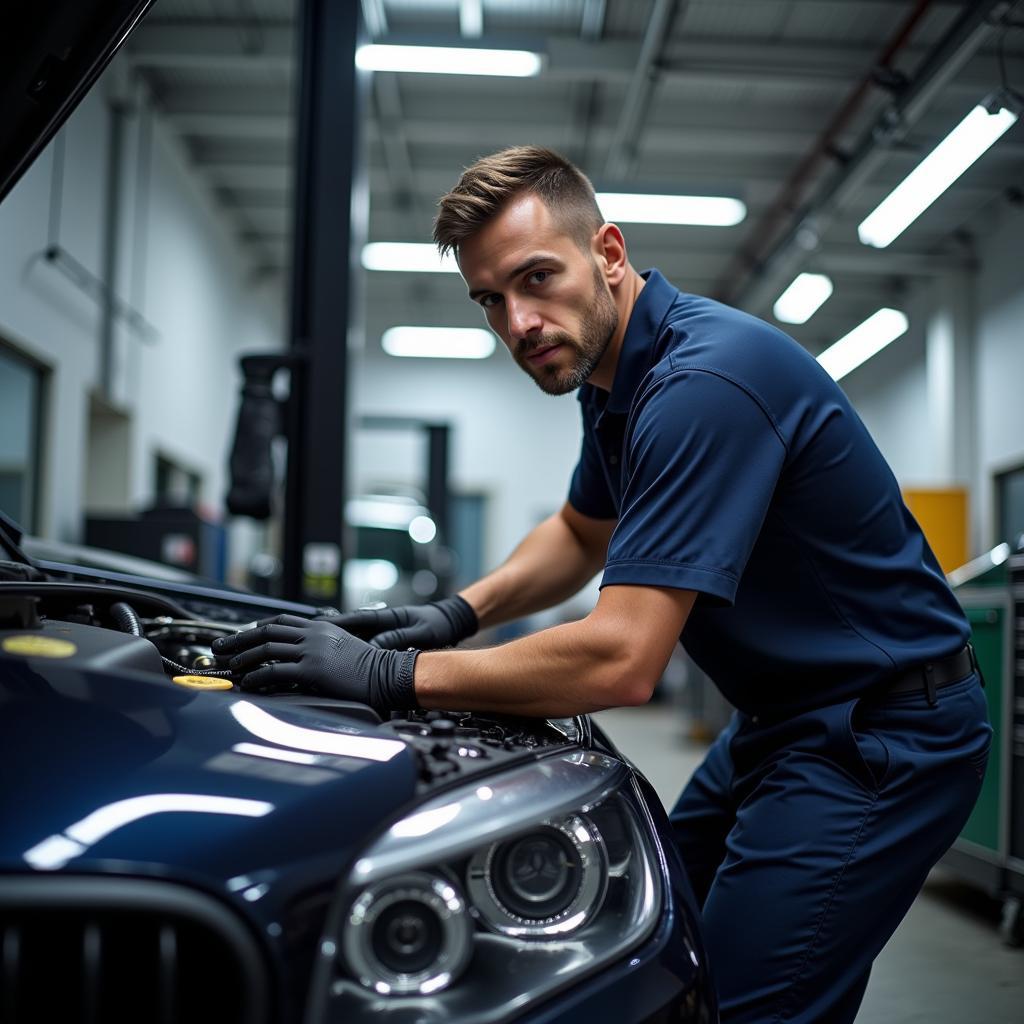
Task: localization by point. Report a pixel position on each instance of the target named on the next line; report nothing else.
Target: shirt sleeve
(702, 461)
(588, 492)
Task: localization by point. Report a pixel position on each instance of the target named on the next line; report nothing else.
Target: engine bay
(104, 627)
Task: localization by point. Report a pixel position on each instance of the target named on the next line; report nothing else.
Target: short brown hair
(486, 186)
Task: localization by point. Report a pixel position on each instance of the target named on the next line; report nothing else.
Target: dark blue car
(175, 849)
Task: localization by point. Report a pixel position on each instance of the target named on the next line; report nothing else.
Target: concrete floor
(945, 962)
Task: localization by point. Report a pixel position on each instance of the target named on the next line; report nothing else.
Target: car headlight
(547, 882)
(491, 896)
(408, 934)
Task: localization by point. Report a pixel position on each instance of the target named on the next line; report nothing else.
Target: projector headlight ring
(543, 883)
(409, 934)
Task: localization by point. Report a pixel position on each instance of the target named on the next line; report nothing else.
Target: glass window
(176, 485)
(1010, 507)
(20, 414)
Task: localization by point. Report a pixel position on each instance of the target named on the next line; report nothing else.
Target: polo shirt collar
(637, 355)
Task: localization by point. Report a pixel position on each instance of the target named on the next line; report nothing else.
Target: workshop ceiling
(777, 103)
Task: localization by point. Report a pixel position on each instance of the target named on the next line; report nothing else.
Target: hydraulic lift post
(330, 208)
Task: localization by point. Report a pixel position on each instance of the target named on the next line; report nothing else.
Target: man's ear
(609, 250)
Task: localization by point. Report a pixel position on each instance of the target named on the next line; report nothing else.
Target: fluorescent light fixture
(634, 208)
(939, 169)
(863, 342)
(417, 257)
(803, 298)
(999, 554)
(449, 60)
(438, 342)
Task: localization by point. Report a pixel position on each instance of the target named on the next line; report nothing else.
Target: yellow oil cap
(34, 646)
(203, 682)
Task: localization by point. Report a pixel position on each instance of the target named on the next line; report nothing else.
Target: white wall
(180, 267)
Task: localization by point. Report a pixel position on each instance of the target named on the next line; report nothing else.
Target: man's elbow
(631, 684)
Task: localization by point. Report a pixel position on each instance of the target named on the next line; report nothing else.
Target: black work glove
(424, 626)
(314, 655)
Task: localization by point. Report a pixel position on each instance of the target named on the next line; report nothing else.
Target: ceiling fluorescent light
(863, 342)
(438, 342)
(634, 208)
(417, 257)
(943, 165)
(803, 298)
(448, 60)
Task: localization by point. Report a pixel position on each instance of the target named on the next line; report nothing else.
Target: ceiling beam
(622, 149)
(211, 46)
(685, 62)
(860, 260)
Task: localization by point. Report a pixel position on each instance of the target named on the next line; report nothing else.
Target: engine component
(83, 646)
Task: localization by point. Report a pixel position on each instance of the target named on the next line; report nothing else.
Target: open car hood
(51, 54)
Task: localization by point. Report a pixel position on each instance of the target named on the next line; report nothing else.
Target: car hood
(134, 775)
(52, 53)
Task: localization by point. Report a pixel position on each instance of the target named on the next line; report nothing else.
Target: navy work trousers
(806, 841)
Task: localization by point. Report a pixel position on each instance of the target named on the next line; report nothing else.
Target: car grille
(112, 949)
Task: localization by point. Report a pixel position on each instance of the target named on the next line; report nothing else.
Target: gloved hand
(425, 626)
(315, 655)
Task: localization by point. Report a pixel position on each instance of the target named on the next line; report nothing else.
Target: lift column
(330, 213)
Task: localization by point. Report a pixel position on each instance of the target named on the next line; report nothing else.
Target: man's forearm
(550, 565)
(557, 672)
(613, 657)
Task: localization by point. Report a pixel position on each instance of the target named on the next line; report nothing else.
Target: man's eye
(538, 276)
(489, 300)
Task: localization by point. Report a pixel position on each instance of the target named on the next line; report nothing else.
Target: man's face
(543, 296)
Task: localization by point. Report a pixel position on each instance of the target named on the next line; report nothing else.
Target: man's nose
(523, 319)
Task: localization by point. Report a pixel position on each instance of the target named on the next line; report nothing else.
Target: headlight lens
(408, 934)
(545, 883)
(490, 897)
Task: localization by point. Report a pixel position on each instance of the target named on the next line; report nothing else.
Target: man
(736, 502)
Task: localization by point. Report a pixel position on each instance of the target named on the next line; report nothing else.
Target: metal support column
(438, 498)
(329, 225)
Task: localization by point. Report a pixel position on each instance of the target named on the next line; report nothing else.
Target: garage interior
(200, 207)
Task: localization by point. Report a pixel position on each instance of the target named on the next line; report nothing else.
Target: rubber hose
(125, 618)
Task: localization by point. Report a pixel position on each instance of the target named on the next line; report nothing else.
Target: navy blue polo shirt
(735, 466)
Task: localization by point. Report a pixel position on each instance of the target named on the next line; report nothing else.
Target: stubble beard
(598, 325)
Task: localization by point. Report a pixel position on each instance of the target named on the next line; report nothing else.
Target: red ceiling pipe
(792, 191)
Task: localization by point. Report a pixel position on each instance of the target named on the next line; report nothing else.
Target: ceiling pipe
(824, 149)
(622, 151)
(753, 279)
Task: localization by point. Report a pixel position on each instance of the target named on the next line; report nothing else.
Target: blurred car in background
(397, 557)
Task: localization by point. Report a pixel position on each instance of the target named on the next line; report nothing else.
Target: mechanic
(736, 503)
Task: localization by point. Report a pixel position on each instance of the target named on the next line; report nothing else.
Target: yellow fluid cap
(34, 646)
(203, 682)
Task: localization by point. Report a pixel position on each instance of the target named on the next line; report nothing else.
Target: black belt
(933, 675)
